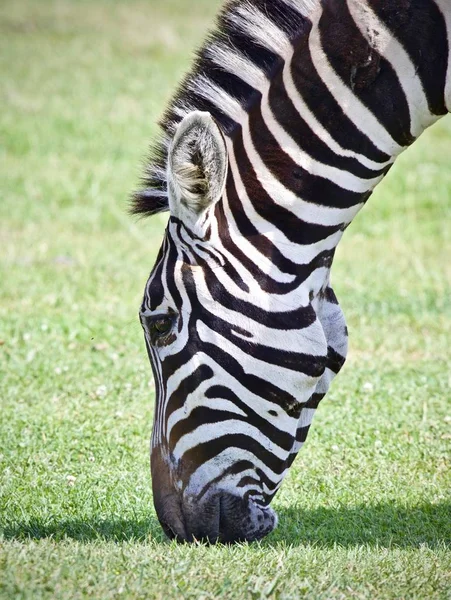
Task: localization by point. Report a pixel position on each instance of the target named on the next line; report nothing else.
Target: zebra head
(237, 351)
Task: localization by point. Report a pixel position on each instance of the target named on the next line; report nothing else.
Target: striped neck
(343, 88)
(316, 102)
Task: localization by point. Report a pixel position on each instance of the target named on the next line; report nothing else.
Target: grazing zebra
(292, 114)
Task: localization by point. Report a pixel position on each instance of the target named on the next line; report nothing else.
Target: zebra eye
(162, 325)
(159, 327)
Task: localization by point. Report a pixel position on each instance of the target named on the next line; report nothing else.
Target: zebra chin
(223, 518)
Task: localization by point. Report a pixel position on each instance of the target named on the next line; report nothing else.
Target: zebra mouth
(224, 518)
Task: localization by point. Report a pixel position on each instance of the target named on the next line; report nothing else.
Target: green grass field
(366, 510)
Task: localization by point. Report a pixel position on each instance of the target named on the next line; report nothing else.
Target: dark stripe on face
(310, 365)
(186, 387)
(202, 415)
(157, 380)
(204, 452)
(171, 283)
(226, 266)
(282, 438)
(235, 469)
(297, 318)
(170, 276)
(257, 386)
(220, 419)
(154, 292)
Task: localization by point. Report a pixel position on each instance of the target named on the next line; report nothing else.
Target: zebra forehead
(249, 36)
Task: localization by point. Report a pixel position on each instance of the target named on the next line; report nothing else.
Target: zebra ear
(197, 166)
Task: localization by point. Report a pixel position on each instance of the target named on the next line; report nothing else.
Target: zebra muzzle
(223, 517)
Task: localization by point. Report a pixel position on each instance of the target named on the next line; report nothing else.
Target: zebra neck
(316, 100)
(352, 92)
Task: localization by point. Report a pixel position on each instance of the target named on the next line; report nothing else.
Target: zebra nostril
(242, 520)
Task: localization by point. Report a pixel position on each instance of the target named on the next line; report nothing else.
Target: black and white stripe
(294, 111)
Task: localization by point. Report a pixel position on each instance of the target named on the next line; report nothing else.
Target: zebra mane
(244, 48)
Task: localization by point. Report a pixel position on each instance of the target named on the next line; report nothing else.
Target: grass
(366, 509)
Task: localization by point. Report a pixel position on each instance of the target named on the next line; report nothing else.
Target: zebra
(293, 111)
